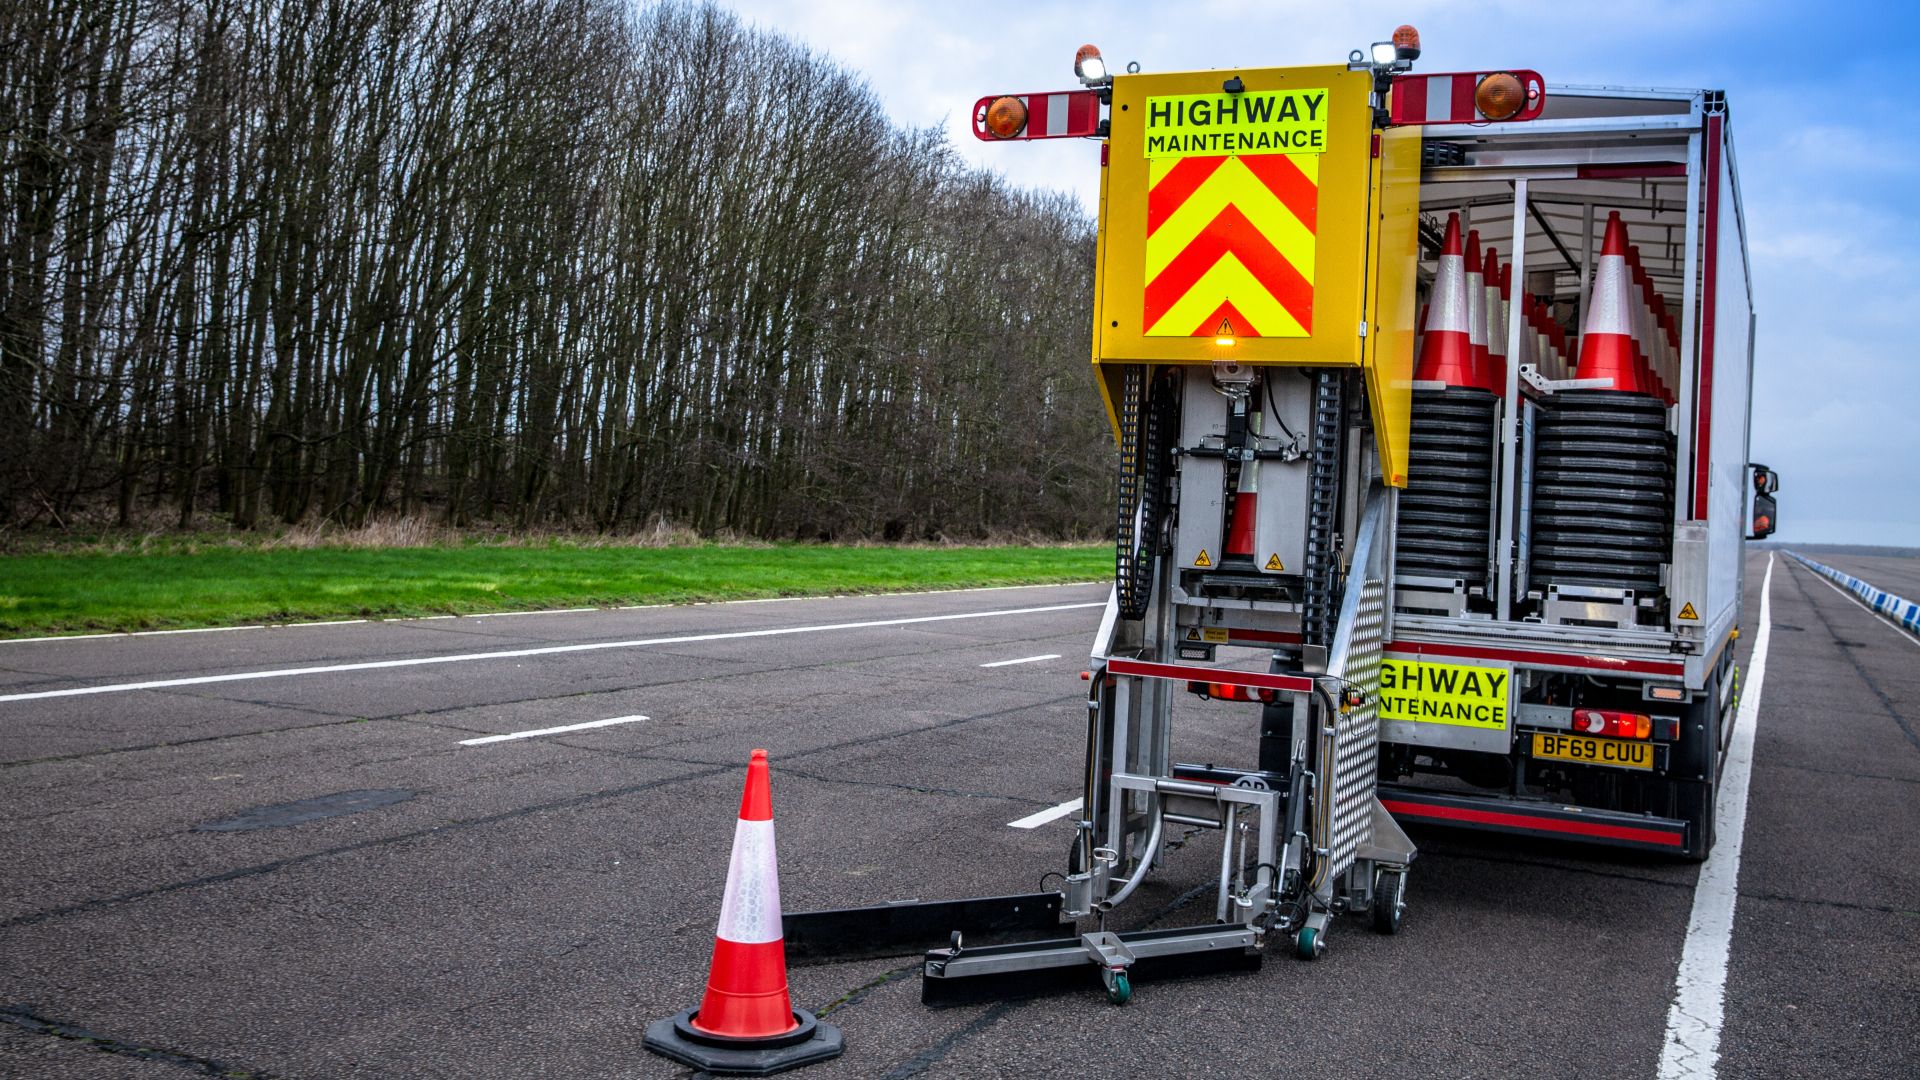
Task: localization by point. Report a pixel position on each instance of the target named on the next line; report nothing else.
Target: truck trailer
(1430, 394)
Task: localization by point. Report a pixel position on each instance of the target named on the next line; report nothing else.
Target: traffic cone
(1606, 341)
(1496, 324)
(1446, 346)
(1477, 312)
(1643, 342)
(746, 1022)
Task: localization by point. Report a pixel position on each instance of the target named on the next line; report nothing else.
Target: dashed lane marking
(545, 650)
(551, 730)
(1692, 1048)
(1051, 813)
(1024, 660)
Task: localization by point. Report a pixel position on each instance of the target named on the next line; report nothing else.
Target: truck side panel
(1728, 304)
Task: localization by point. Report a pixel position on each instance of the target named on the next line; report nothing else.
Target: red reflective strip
(1288, 184)
(1036, 114)
(1629, 172)
(1240, 326)
(1175, 188)
(1083, 113)
(1709, 291)
(1409, 100)
(1661, 837)
(1148, 670)
(1463, 88)
(1528, 656)
(1231, 233)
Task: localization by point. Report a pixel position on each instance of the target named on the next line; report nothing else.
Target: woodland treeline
(521, 262)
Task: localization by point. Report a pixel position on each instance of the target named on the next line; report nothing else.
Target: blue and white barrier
(1900, 612)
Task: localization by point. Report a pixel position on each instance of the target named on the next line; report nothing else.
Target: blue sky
(1830, 175)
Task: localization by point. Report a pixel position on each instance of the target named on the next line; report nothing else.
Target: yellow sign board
(1434, 693)
(1250, 122)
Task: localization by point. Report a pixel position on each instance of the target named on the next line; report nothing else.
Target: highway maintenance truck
(1431, 399)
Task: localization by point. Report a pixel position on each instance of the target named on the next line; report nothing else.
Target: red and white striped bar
(1068, 114)
(1448, 98)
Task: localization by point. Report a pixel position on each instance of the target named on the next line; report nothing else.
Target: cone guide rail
(1454, 562)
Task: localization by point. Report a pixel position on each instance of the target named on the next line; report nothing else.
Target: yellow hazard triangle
(1202, 559)
(1688, 613)
(1274, 563)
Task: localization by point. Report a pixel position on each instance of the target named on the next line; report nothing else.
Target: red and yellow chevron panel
(1230, 246)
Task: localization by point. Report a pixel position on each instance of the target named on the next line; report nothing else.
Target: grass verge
(95, 591)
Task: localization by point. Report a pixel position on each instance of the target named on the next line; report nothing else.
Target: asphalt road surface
(524, 907)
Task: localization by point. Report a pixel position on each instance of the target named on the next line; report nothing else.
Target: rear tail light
(1231, 692)
(1618, 725)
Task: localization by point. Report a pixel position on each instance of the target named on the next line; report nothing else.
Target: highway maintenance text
(1432, 693)
(1254, 122)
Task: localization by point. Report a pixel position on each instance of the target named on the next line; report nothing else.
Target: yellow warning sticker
(1457, 694)
(1688, 613)
(1201, 559)
(1274, 563)
(1216, 634)
(1193, 633)
(1254, 122)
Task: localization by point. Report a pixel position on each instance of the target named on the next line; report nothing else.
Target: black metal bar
(1534, 210)
(939, 990)
(911, 926)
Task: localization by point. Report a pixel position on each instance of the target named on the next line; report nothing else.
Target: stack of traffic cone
(1606, 341)
(1477, 312)
(1446, 341)
(746, 1023)
(1496, 324)
(1645, 338)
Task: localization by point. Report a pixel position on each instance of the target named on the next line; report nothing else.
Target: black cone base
(677, 1038)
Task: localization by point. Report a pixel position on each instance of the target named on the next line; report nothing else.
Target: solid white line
(1024, 660)
(1898, 632)
(558, 611)
(1692, 1048)
(548, 650)
(133, 633)
(551, 730)
(1052, 813)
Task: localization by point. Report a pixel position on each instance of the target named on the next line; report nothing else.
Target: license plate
(1619, 753)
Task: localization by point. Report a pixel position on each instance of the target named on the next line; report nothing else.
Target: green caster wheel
(1308, 946)
(1121, 990)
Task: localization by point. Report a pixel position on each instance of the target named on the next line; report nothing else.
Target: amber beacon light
(1499, 96)
(1006, 117)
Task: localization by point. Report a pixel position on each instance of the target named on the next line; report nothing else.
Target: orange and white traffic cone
(1446, 343)
(746, 1022)
(1477, 313)
(1606, 341)
(1496, 324)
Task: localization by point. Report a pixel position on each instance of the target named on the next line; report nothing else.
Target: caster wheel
(1308, 945)
(1121, 991)
(1389, 901)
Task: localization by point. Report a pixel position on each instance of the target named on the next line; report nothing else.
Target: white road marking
(1692, 1048)
(558, 611)
(1877, 617)
(1024, 660)
(551, 730)
(1052, 813)
(132, 633)
(546, 650)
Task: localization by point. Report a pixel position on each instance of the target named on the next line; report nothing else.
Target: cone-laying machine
(1452, 564)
